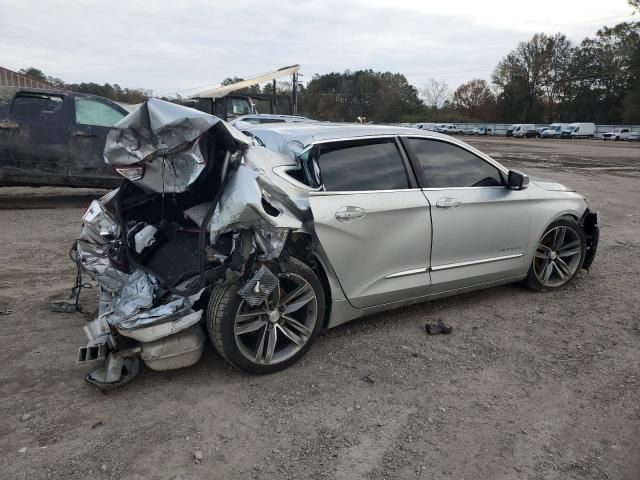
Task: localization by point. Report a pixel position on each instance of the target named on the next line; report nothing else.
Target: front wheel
(273, 335)
(558, 256)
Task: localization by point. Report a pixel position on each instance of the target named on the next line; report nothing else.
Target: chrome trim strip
(435, 189)
(474, 262)
(408, 272)
(350, 138)
(315, 193)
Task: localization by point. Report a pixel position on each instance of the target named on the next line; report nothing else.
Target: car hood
(550, 185)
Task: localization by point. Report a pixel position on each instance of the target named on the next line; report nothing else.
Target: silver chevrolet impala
(261, 239)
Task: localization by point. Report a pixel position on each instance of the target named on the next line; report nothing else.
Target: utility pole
(275, 98)
(294, 93)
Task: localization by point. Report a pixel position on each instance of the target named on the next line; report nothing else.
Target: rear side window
(446, 166)
(44, 108)
(363, 165)
(95, 112)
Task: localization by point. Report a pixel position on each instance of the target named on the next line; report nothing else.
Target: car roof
(292, 138)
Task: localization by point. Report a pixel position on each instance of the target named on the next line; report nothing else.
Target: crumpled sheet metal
(240, 207)
(164, 136)
(132, 307)
(126, 300)
(164, 326)
(93, 259)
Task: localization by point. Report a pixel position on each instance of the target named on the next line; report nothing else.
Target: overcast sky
(181, 45)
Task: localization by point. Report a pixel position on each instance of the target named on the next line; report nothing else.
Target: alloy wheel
(280, 327)
(557, 256)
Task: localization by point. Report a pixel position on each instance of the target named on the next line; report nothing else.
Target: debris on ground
(25, 417)
(63, 306)
(369, 378)
(198, 456)
(440, 327)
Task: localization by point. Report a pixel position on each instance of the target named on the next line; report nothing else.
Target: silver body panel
(405, 249)
(371, 255)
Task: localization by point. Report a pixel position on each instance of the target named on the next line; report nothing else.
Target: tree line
(543, 80)
(113, 92)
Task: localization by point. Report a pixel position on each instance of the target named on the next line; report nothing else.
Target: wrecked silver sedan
(260, 241)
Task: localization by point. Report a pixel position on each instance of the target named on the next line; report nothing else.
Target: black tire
(225, 303)
(532, 280)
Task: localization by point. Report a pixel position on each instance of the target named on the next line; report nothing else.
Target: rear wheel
(273, 335)
(558, 256)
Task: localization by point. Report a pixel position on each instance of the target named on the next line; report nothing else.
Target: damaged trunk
(193, 212)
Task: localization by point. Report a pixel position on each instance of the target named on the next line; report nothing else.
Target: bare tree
(435, 93)
(475, 99)
(635, 4)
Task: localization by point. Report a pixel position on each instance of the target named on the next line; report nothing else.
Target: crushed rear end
(199, 207)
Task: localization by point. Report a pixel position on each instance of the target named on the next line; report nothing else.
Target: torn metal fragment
(145, 238)
(258, 289)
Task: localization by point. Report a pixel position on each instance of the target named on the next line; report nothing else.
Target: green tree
(376, 96)
(605, 72)
(34, 73)
(113, 92)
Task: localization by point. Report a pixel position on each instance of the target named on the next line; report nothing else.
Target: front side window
(362, 165)
(448, 166)
(95, 112)
(44, 108)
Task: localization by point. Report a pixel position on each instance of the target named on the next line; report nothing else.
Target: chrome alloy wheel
(276, 330)
(557, 256)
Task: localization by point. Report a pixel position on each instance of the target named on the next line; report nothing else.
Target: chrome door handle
(83, 134)
(448, 202)
(349, 214)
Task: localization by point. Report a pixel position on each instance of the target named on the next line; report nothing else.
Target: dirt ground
(528, 385)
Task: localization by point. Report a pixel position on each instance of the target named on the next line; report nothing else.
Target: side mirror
(517, 180)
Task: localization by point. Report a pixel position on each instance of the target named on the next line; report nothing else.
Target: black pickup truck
(50, 137)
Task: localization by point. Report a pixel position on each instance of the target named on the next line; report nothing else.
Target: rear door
(480, 227)
(92, 120)
(36, 139)
(372, 221)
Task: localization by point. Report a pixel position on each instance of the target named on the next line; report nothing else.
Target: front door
(93, 118)
(480, 227)
(372, 222)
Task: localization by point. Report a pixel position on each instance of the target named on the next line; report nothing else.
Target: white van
(521, 129)
(579, 130)
(554, 130)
